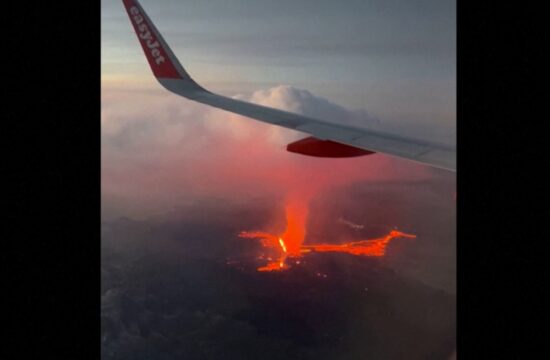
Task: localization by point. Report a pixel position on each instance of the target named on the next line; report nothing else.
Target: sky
(396, 59)
(388, 65)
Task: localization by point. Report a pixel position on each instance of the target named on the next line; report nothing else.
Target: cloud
(159, 150)
(305, 103)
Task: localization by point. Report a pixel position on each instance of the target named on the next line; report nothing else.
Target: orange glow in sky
(296, 217)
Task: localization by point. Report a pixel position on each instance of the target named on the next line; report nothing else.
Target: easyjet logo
(145, 35)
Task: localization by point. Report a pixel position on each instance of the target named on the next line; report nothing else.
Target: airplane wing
(328, 139)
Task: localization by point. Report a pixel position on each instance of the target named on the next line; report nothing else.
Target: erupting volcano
(290, 243)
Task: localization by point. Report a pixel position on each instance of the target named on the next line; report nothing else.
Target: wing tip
(165, 66)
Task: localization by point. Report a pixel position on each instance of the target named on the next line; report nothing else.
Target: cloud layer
(159, 150)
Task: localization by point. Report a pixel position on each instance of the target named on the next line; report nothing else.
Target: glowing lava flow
(269, 241)
(374, 247)
(291, 242)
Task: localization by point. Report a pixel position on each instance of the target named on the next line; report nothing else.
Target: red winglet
(151, 42)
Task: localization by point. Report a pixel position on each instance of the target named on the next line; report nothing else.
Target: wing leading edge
(171, 75)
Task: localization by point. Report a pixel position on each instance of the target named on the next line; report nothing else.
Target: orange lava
(290, 243)
(273, 266)
(374, 247)
(269, 241)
